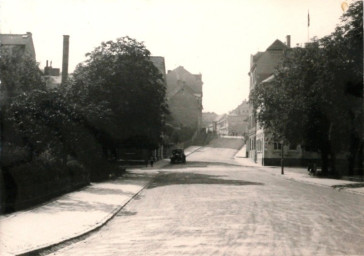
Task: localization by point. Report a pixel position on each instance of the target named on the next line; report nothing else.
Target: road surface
(212, 206)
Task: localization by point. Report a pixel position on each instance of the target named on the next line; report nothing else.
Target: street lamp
(282, 158)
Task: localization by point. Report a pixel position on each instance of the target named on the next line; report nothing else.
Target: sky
(213, 37)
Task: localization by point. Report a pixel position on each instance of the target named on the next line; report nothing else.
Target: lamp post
(282, 158)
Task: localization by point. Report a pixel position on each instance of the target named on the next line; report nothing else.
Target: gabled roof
(277, 45)
(180, 76)
(266, 62)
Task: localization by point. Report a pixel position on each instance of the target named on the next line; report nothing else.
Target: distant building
(208, 119)
(184, 97)
(52, 76)
(221, 126)
(238, 119)
(21, 43)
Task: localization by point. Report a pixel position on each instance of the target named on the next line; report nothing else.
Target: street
(213, 206)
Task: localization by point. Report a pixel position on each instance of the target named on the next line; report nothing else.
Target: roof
(277, 45)
(179, 78)
(19, 39)
(265, 63)
(220, 117)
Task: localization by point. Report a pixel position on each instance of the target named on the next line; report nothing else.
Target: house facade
(184, 97)
(262, 66)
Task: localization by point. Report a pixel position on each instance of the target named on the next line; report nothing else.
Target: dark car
(178, 155)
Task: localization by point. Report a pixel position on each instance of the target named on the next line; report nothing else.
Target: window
(277, 146)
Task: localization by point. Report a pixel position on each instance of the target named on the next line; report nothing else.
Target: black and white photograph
(181, 127)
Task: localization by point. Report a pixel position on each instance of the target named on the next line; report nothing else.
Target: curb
(348, 190)
(194, 151)
(97, 226)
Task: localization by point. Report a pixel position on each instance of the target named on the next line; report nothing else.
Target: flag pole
(308, 26)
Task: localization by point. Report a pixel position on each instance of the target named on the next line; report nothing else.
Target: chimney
(66, 45)
(47, 64)
(288, 41)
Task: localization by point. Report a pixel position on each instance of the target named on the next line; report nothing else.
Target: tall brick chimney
(66, 46)
(288, 41)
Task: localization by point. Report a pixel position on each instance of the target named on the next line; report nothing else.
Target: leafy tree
(19, 74)
(316, 96)
(120, 76)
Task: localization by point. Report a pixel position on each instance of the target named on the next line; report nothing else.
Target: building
(21, 43)
(221, 125)
(237, 125)
(208, 119)
(238, 120)
(260, 147)
(51, 76)
(18, 46)
(184, 97)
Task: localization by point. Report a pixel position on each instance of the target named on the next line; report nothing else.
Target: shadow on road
(165, 179)
(196, 164)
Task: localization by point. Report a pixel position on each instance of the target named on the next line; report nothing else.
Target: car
(178, 155)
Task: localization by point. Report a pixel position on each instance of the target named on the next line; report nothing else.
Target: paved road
(217, 209)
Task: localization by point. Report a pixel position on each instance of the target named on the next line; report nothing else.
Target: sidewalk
(300, 174)
(71, 215)
(74, 214)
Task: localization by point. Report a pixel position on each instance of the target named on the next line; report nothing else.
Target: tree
(19, 74)
(120, 76)
(316, 96)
